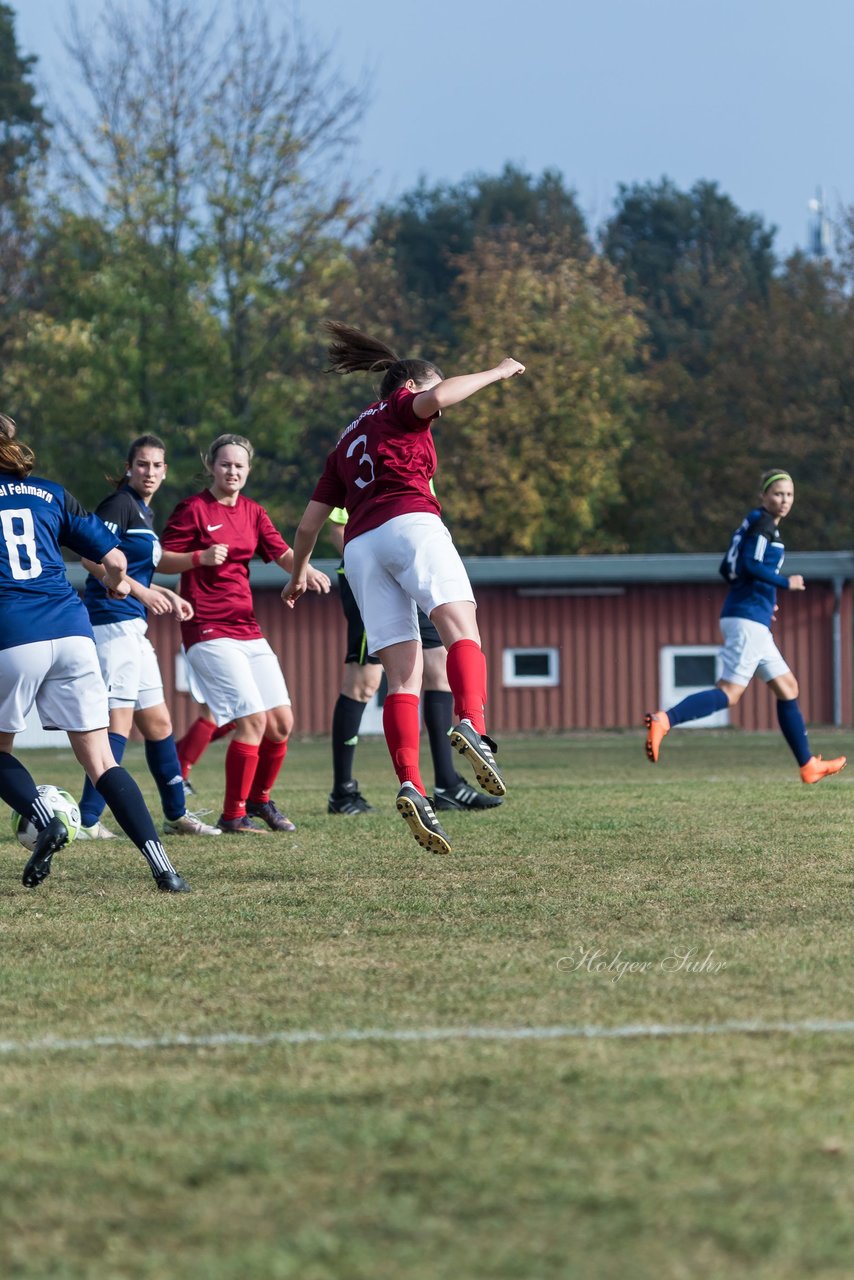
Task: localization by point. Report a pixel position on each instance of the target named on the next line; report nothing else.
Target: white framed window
(531, 668)
(689, 668)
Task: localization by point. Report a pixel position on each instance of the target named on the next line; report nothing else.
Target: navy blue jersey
(752, 565)
(37, 602)
(132, 520)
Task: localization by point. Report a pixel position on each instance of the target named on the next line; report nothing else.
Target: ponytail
(16, 458)
(353, 351)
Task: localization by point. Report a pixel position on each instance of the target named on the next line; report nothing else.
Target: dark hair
(352, 351)
(16, 458)
(141, 442)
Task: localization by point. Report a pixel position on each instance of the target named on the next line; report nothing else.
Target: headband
(778, 475)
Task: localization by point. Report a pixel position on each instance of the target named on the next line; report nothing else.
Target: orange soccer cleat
(657, 725)
(815, 768)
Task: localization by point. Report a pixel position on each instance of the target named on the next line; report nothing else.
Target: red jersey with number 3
(382, 466)
(220, 594)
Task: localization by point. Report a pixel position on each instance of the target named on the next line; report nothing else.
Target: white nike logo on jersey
(211, 527)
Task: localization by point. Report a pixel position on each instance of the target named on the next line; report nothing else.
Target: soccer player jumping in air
(752, 568)
(398, 555)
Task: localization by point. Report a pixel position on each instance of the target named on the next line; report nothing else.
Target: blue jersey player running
(128, 662)
(48, 658)
(752, 568)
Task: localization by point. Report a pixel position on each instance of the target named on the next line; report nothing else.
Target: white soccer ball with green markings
(64, 806)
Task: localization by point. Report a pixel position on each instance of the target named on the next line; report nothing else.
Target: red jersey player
(399, 555)
(210, 539)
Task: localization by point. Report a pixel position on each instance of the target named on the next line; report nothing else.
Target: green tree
(778, 391)
(197, 227)
(704, 272)
(77, 365)
(687, 256)
(430, 230)
(277, 127)
(23, 142)
(533, 466)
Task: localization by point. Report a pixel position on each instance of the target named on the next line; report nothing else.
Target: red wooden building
(579, 642)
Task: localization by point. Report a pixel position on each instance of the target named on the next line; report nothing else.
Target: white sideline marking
(236, 1039)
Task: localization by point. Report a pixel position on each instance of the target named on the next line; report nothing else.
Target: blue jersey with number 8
(37, 602)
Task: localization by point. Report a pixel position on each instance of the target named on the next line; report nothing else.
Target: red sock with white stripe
(241, 763)
(402, 728)
(467, 678)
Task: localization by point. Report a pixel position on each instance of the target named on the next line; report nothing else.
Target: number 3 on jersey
(19, 534)
(365, 460)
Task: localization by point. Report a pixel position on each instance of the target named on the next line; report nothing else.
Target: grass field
(712, 889)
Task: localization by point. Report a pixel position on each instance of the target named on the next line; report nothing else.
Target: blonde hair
(16, 458)
(209, 457)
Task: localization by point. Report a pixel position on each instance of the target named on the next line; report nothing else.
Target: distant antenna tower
(818, 231)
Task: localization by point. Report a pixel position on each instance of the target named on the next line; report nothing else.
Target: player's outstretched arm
(314, 518)
(452, 390)
(315, 580)
(154, 598)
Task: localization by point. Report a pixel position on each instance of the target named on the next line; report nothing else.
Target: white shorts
(129, 664)
(236, 678)
(749, 650)
(408, 561)
(61, 677)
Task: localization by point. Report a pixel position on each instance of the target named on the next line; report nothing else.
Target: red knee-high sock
(195, 743)
(402, 728)
(467, 678)
(271, 757)
(221, 731)
(241, 761)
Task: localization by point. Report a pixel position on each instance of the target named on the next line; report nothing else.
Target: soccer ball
(64, 806)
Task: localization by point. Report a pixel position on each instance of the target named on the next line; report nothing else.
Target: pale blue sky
(757, 95)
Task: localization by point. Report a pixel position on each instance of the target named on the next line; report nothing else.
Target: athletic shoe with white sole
(418, 815)
(189, 824)
(463, 796)
(480, 753)
(97, 831)
(53, 837)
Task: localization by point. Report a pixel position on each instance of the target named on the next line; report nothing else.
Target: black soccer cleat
(418, 815)
(479, 751)
(463, 796)
(171, 882)
(54, 836)
(348, 799)
(243, 826)
(269, 812)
